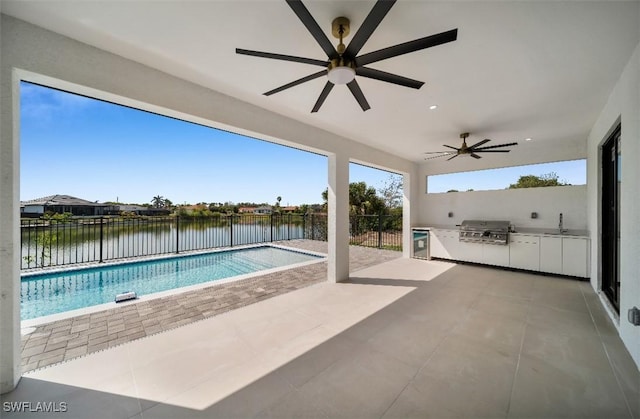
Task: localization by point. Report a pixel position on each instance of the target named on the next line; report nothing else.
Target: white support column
(338, 218)
(410, 198)
(9, 232)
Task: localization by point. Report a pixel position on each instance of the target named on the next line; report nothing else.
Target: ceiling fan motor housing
(464, 149)
(341, 71)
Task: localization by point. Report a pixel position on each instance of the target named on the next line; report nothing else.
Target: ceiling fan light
(341, 75)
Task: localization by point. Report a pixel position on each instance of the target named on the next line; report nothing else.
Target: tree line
(363, 200)
(532, 181)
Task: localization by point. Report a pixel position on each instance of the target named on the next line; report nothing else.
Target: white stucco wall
(9, 231)
(623, 105)
(410, 209)
(34, 54)
(514, 205)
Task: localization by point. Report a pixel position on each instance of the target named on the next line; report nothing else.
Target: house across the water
(59, 204)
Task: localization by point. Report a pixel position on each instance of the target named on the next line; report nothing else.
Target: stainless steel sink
(563, 233)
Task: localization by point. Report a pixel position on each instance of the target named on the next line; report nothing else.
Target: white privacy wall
(514, 205)
(624, 106)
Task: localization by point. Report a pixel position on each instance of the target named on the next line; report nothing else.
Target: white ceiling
(518, 69)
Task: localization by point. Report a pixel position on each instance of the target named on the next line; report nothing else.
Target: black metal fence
(79, 240)
(381, 231)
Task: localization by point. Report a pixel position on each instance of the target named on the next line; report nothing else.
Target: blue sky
(573, 172)
(103, 152)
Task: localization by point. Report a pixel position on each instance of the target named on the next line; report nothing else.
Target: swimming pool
(50, 293)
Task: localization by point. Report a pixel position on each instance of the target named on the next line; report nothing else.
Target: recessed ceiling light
(432, 107)
(528, 139)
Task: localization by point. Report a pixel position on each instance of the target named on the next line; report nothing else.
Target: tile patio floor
(404, 338)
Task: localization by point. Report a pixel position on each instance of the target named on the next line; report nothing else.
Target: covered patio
(405, 337)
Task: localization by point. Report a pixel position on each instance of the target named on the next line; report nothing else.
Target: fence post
(304, 225)
(177, 234)
(271, 222)
(354, 228)
(379, 231)
(101, 236)
(231, 229)
(313, 227)
(36, 257)
(289, 227)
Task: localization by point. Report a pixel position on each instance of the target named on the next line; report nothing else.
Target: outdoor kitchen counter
(550, 232)
(519, 230)
(532, 249)
(437, 227)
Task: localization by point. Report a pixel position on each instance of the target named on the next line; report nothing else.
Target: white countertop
(437, 227)
(551, 232)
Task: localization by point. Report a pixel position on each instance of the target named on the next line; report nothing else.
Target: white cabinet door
(495, 254)
(468, 252)
(551, 254)
(437, 244)
(524, 252)
(446, 244)
(575, 256)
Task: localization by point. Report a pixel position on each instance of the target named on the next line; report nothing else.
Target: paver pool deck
(70, 338)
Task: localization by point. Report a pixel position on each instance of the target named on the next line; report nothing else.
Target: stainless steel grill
(482, 231)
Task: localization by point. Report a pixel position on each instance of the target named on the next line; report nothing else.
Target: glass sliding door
(610, 238)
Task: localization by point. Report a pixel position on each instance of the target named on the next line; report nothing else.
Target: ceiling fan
(343, 62)
(466, 150)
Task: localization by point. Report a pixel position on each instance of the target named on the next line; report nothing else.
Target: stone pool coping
(62, 340)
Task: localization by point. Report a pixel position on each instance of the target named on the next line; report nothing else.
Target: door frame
(610, 222)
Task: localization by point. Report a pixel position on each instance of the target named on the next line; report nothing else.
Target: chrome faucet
(560, 224)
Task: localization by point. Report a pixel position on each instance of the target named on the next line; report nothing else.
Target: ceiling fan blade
(437, 157)
(388, 77)
(312, 26)
(407, 47)
(373, 19)
(296, 82)
(282, 57)
(457, 149)
(451, 158)
(495, 146)
(475, 156)
(357, 93)
(479, 143)
(491, 151)
(323, 96)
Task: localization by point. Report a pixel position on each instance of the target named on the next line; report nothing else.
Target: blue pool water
(51, 293)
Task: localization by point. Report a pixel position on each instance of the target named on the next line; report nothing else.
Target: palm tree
(278, 199)
(158, 201)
